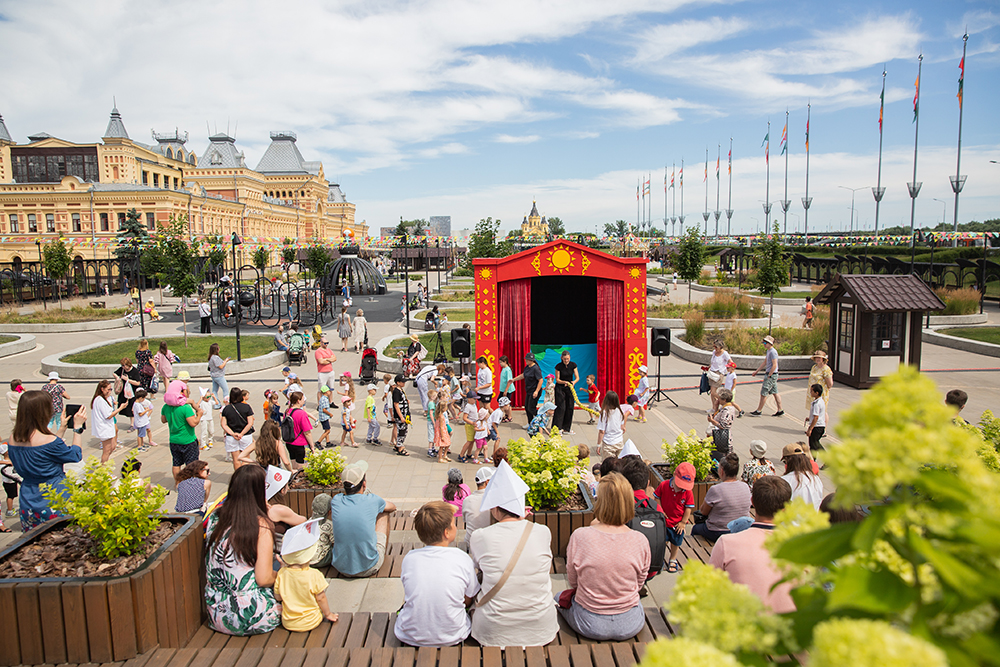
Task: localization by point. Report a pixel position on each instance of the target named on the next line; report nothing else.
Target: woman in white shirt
(720, 359)
(799, 475)
(610, 426)
(102, 418)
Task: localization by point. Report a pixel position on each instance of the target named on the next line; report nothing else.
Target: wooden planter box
(106, 619)
(300, 500)
(562, 523)
(661, 471)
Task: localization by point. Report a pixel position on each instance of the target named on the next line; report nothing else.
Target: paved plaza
(411, 481)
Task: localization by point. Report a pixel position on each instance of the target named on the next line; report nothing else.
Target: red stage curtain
(515, 328)
(611, 337)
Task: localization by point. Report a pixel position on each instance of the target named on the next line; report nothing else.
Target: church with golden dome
(534, 224)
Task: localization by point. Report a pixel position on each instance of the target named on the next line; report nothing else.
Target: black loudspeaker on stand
(660, 347)
(461, 347)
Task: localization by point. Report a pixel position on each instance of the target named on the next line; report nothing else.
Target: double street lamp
(236, 294)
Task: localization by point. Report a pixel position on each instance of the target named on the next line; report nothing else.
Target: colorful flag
(682, 177)
(665, 186)
(807, 135)
(645, 187)
(717, 164)
(706, 172)
(671, 179)
(784, 138)
(961, 81)
(767, 147)
(881, 107)
(916, 98)
(637, 192)
(730, 161)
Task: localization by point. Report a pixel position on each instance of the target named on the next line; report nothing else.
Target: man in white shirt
(439, 582)
(475, 519)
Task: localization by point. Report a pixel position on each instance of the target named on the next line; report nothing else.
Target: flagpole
(681, 217)
(705, 214)
(767, 179)
(718, 162)
(958, 182)
(785, 202)
(673, 203)
(729, 206)
(638, 188)
(807, 200)
(914, 185)
(878, 191)
(664, 200)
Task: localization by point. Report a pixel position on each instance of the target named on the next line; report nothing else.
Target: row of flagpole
(643, 217)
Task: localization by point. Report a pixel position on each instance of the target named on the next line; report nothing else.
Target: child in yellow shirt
(300, 589)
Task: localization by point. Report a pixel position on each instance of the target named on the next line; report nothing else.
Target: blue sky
(472, 109)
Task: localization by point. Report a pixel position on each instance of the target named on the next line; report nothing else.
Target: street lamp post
(41, 287)
(853, 190)
(236, 294)
(137, 270)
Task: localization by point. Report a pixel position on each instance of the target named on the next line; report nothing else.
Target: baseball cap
(484, 474)
(758, 448)
(184, 376)
(472, 394)
(324, 389)
(503, 401)
(354, 474)
(293, 376)
(399, 378)
(372, 387)
(286, 369)
(684, 476)
(731, 364)
(789, 450)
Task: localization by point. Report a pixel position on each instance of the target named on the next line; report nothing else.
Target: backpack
(288, 433)
(652, 523)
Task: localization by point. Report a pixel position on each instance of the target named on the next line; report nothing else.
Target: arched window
(180, 154)
(191, 158)
(170, 153)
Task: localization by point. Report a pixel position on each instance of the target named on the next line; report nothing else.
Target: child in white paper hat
(299, 588)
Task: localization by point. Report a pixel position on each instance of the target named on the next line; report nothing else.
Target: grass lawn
(196, 351)
(428, 340)
(982, 334)
(55, 316)
(463, 296)
(455, 315)
(7, 339)
(789, 295)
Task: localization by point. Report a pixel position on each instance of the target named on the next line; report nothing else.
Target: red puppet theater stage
(563, 293)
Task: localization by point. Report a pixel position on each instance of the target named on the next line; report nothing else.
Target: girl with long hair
(442, 438)
(102, 418)
(268, 449)
(610, 426)
(163, 362)
(455, 491)
(217, 369)
(800, 476)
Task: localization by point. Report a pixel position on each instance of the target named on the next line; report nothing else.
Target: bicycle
(131, 319)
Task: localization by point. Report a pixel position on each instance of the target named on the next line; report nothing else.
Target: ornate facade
(51, 187)
(534, 224)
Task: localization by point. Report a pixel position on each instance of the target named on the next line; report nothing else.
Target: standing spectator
(57, 393)
(360, 523)
(13, 396)
(506, 386)
(205, 313)
(10, 480)
(676, 501)
(301, 428)
(38, 455)
(144, 362)
(163, 361)
(567, 377)
(799, 474)
(815, 421)
(217, 370)
(474, 517)
(807, 309)
(130, 379)
(820, 374)
(956, 398)
(725, 501)
(343, 327)
(770, 385)
(371, 416)
(400, 415)
(102, 418)
(607, 563)
(360, 328)
(439, 582)
(743, 555)
(181, 415)
(593, 397)
(423, 381)
(643, 393)
(324, 365)
(716, 371)
(610, 427)
(757, 466)
(237, 424)
(268, 449)
(532, 376)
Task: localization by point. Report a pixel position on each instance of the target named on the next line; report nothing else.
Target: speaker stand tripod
(659, 394)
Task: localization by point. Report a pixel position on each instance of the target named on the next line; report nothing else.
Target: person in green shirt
(181, 420)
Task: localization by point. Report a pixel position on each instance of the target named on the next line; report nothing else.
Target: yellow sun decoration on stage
(485, 274)
(561, 260)
(634, 272)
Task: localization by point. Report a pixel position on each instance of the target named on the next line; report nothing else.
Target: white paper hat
(300, 537)
(505, 490)
(275, 481)
(629, 449)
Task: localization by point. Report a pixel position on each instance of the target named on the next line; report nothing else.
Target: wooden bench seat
(392, 567)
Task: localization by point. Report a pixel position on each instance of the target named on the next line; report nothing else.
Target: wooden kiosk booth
(875, 323)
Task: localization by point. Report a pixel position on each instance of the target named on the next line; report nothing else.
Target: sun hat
(643, 369)
(548, 406)
(684, 476)
(790, 450)
(354, 474)
(504, 401)
(454, 476)
(819, 354)
(183, 376)
(484, 474)
(769, 339)
(54, 376)
(550, 375)
(293, 376)
(758, 448)
(414, 338)
(529, 357)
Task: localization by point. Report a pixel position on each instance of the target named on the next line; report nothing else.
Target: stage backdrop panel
(583, 355)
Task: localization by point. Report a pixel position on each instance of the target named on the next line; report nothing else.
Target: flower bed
(746, 340)
(321, 475)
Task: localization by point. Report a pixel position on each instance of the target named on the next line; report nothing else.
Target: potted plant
(110, 579)
(559, 499)
(697, 451)
(321, 475)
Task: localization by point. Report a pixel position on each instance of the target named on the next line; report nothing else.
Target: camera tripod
(658, 393)
(439, 355)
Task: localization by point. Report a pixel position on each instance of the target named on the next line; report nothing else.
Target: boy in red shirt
(593, 397)
(676, 501)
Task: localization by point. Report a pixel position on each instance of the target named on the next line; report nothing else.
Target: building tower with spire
(534, 224)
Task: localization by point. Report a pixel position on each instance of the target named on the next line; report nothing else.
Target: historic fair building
(51, 187)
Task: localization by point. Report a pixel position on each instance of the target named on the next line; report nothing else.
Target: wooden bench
(98, 304)
(392, 567)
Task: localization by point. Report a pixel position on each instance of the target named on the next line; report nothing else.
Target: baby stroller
(296, 348)
(369, 363)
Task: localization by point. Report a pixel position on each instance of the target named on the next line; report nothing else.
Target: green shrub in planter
(118, 518)
(692, 448)
(547, 464)
(324, 466)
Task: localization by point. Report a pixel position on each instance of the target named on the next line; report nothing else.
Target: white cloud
(509, 139)
(662, 41)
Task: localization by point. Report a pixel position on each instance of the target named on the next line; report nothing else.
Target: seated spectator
(439, 582)
(607, 563)
(360, 524)
(636, 473)
(800, 476)
(281, 339)
(957, 399)
(475, 518)
(757, 466)
(519, 612)
(194, 488)
(455, 491)
(324, 546)
(743, 555)
(609, 465)
(839, 514)
(725, 501)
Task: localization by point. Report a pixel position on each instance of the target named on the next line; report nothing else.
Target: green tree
(772, 268)
(484, 242)
(317, 257)
(690, 257)
(260, 258)
(178, 264)
(416, 227)
(556, 227)
(57, 260)
(217, 247)
(618, 229)
(132, 238)
(288, 253)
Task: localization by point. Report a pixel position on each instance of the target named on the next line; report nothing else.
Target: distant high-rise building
(440, 225)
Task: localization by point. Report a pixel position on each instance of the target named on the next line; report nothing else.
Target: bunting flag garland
(784, 138)
(961, 81)
(916, 98)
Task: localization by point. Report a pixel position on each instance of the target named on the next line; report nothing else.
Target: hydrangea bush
(324, 466)
(692, 448)
(917, 582)
(547, 464)
(118, 516)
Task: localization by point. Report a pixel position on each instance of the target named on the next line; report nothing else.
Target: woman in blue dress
(38, 454)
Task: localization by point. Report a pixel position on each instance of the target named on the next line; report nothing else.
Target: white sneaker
(229, 457)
